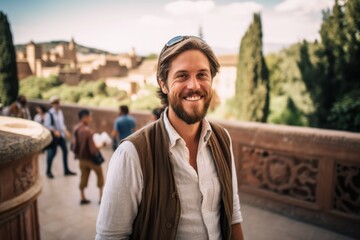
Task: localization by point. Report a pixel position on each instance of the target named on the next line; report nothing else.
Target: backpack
(55, 140)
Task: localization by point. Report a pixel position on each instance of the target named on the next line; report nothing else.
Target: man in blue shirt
(124, 124)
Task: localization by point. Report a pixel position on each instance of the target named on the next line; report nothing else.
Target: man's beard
(197, 115)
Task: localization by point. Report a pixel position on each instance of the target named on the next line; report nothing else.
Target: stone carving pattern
(290, 176)
(347, 189)
(23, 178)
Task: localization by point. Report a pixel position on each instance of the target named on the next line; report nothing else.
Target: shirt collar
(174, 135)
(52, 110)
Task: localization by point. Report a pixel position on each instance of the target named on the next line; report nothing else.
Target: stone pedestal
(20, 185)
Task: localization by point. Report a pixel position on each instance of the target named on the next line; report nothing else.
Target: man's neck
(189, 132)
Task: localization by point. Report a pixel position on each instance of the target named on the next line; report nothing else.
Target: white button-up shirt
(199, 192)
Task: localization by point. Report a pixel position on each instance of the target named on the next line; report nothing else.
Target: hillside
(46, 46)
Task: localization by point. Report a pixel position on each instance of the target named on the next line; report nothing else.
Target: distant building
(70, 66)
(137, 78)
(127, 71)
(145, 74)
(224, 81)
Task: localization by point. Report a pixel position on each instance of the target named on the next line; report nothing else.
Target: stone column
(20, 185)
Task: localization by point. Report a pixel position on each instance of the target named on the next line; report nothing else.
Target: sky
(119, 25)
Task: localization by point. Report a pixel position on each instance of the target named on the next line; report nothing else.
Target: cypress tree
(339, 65)
(331, 64)
(345, 112)
(352, 46)
(9, 82)
(252, 83)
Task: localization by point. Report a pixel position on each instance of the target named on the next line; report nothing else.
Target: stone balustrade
(305, 173)
(20, 185)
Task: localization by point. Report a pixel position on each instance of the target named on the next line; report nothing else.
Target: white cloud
(155, 21)
(189, 7)
(303, 6)
(286, 28)
(245, 8)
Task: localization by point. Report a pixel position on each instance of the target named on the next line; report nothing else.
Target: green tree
(290, 115)
(332, 59)
(42, 86)
(352, 46)
(338, 66)
(344, 114)
(9, 82)
(290, 103)
(312, 78)
(252, 83)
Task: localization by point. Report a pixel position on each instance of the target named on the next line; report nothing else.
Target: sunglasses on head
(178, 39)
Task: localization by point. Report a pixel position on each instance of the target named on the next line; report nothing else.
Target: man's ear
(163, 87)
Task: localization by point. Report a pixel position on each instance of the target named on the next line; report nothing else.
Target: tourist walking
(175, 178)
(85, 149)
(54, 121)
(40, 114)
(124, 125)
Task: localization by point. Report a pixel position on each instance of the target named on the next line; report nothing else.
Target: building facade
(70, 66)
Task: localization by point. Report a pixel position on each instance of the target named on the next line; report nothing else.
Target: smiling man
(175, 179)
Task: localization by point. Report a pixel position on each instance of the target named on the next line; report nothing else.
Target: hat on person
(54, 99)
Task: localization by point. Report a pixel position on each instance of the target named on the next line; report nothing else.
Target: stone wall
(70, 77)
(305, 173)
(23, 69)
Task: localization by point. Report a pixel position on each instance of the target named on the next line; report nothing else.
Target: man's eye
(203, 75)
(182, 76)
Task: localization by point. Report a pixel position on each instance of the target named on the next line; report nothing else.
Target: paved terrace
(62, 217)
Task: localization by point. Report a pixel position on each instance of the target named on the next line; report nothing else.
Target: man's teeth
(193, 98)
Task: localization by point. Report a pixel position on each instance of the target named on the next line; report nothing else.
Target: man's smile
(193, 98)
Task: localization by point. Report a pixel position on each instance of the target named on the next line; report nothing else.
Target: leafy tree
(290, 115)
(290, 103)
(312, 78)
(335, 77)
(352, 45)
(89, 93)
(146, 99)
(252, 83)
(43, 85)
(332, 84)
(344, 114)
(9, 82)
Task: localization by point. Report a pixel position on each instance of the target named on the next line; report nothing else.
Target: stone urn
(20, 185)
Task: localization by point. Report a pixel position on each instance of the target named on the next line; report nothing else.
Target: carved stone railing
(305, 173)
(20, 142)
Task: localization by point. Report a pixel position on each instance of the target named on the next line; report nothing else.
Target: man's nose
(193, 83)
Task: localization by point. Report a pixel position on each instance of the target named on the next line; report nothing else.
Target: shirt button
(168, 225)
